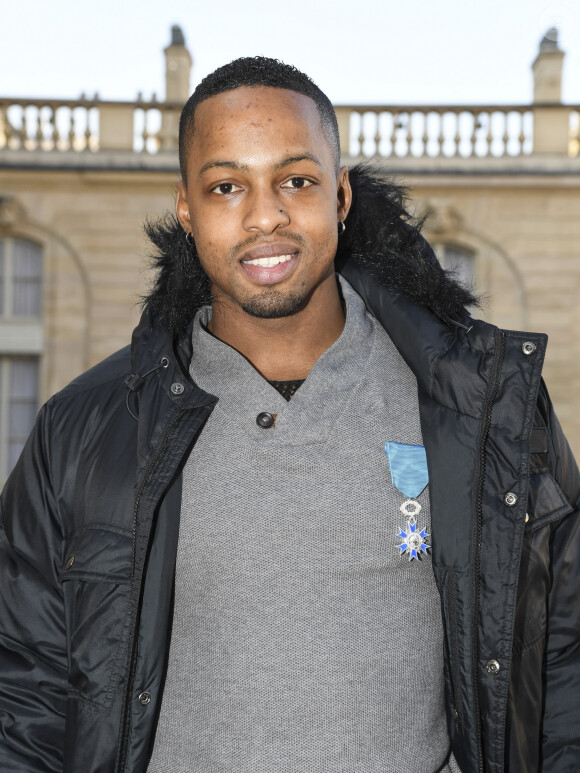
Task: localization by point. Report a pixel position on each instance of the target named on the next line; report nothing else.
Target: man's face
(263, 200)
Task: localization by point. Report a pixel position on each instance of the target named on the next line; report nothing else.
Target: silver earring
(189, 238)
(341, 228)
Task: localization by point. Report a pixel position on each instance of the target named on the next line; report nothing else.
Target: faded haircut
(253, 71)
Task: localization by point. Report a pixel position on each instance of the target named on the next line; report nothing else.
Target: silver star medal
(408, 467)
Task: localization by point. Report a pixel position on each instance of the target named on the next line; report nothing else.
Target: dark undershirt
(287, 388)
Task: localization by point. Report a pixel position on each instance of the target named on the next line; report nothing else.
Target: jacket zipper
(123, 748)
(475, 586)
(457, 710)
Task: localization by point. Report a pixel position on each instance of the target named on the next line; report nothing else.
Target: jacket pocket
(96, 586)
(546, 501)
(447, 590)
(546, 506)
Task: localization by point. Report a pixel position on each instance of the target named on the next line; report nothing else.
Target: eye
(223, 189)
(297, 183)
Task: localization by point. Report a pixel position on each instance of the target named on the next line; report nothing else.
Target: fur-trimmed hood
(380, 234)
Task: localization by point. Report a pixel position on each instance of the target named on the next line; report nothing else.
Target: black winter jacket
(90, 516)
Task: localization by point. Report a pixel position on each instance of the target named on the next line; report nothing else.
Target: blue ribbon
(408, 466)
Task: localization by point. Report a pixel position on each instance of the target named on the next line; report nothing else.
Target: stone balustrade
(88, 125)
(457, 131)
(367, 131)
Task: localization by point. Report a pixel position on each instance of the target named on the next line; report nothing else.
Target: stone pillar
(343, 120)
(178, 64)
(177, 68)
(115, 127)
(551, 124)
(547, 70)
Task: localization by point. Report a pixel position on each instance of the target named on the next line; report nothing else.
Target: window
(20, 345)
(20, 279)
(459, 260)
(18, 407)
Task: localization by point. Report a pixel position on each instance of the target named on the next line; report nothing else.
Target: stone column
(116, 127)
(551, 124)
(343, 120)
(178, 64)
(177, 68)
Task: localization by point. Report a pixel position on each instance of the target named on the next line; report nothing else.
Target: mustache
(252, 241)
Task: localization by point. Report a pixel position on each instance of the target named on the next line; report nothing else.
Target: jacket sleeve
(33, 661)
(561, 666)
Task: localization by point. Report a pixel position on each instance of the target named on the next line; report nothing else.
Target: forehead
(259, 116)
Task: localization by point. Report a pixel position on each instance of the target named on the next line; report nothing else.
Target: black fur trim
(380, 233)
(383, 236)
(181, 285)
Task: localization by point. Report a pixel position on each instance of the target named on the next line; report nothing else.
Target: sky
(360, 52)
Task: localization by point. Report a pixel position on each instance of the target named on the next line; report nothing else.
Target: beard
(272, 304)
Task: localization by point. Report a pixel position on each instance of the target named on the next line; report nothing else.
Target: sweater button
(265, 420)
(492, 667)
(144, 698)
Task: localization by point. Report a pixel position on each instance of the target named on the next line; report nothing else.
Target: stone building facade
(501, 185)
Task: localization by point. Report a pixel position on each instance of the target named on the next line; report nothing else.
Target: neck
(286, 348)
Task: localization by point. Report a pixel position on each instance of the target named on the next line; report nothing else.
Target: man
(308, 522)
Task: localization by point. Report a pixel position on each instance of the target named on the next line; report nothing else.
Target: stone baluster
(409, 137)
(522, 134)
(20, 133)
(489, 137)
(361, 136)
(8, 128)
(87, 132)
(145, 134)
(441, 137)
(457, 138)
(52, 122)
(425, 137)
(574, 145)
(377, 137)
(506, 135)
(39, 133)
(71, 131)
(476, 126)
(393, 137)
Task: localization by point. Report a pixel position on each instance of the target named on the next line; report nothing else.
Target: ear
(343, 195)
(182, 207)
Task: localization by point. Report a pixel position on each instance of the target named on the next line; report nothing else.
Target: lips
(269, 264)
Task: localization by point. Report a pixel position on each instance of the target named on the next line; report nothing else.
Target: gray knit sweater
(302, 640)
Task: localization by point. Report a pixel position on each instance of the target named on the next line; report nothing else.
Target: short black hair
(253, 71)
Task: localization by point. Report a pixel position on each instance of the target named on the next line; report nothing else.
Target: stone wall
(90, 225)
(524, 229)
(526, 234)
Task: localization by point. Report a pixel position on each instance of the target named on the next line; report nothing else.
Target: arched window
(20, 345)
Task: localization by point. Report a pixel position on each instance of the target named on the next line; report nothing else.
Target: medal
(408, 467)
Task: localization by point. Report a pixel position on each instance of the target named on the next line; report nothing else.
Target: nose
(265, 212)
